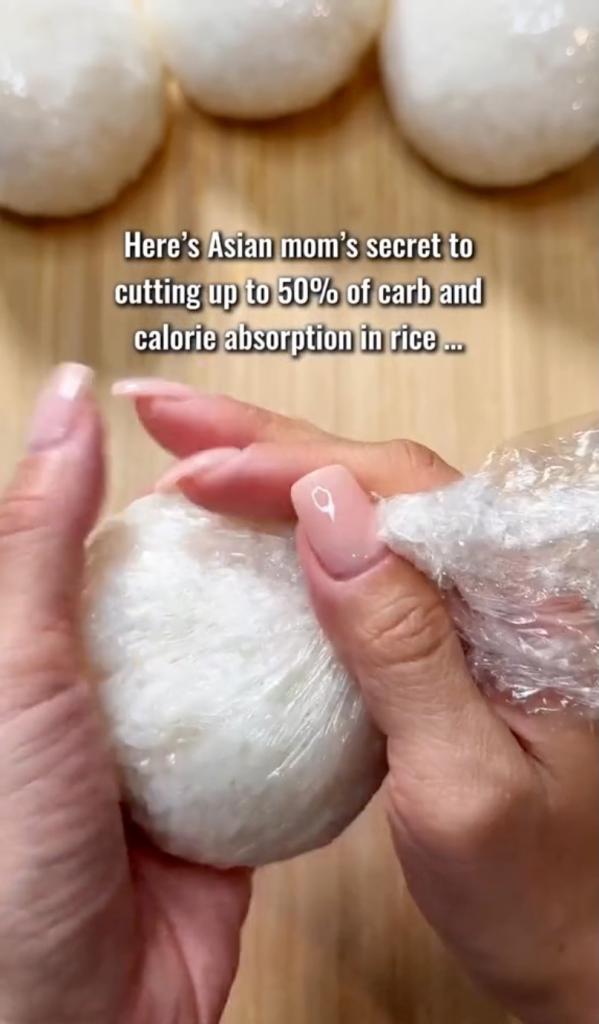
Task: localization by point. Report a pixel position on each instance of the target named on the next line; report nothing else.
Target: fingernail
(58, 405)
(194, 467)
(150, 387)
(339, 520)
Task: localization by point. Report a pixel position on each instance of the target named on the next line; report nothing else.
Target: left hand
(95, 926)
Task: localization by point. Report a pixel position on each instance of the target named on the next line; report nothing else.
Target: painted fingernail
(195, 467)
(150, 387)
(58, 405)
(339, 520)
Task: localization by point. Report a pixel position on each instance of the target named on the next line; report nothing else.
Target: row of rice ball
(497, 93)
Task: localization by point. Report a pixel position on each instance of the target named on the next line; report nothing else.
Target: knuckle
(47, 643)
(413, 457)
(304, 429)
(407, 629)
(271, 426)
(262, 421)
(22, 511)
(37, 668)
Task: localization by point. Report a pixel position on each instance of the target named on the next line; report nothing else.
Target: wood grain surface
(333, 938)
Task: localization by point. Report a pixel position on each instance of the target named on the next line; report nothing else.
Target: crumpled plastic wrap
(515, 549)
(239, 738)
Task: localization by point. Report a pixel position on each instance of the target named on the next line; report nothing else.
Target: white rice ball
(239, 737)
(495, 92)
(263, 58)
(82, 103)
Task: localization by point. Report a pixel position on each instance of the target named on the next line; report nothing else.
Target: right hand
(494, 813)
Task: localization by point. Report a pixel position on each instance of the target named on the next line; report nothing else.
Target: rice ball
(82, 103)
(495, 93)
(259, 58)
(239, 738)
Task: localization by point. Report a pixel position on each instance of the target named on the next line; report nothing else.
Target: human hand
(94, 929)
(495, 813)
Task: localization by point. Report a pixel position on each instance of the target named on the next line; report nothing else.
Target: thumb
(45, 515)
(64, 878)
(390, 627)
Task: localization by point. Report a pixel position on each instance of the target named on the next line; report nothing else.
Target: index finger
(256, 481)
(184, 421)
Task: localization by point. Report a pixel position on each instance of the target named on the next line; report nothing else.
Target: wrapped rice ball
(82, 103)
(499, 93)
(239, 738)
(259, 59)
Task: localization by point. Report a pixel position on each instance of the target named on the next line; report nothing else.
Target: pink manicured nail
(196, 466)
(150, 387)
(339, 520)
(58, 405)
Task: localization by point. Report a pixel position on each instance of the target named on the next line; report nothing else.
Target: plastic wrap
(495, 92)
(82, 103)
(264, 58)
(515, 549)
(239, 738)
